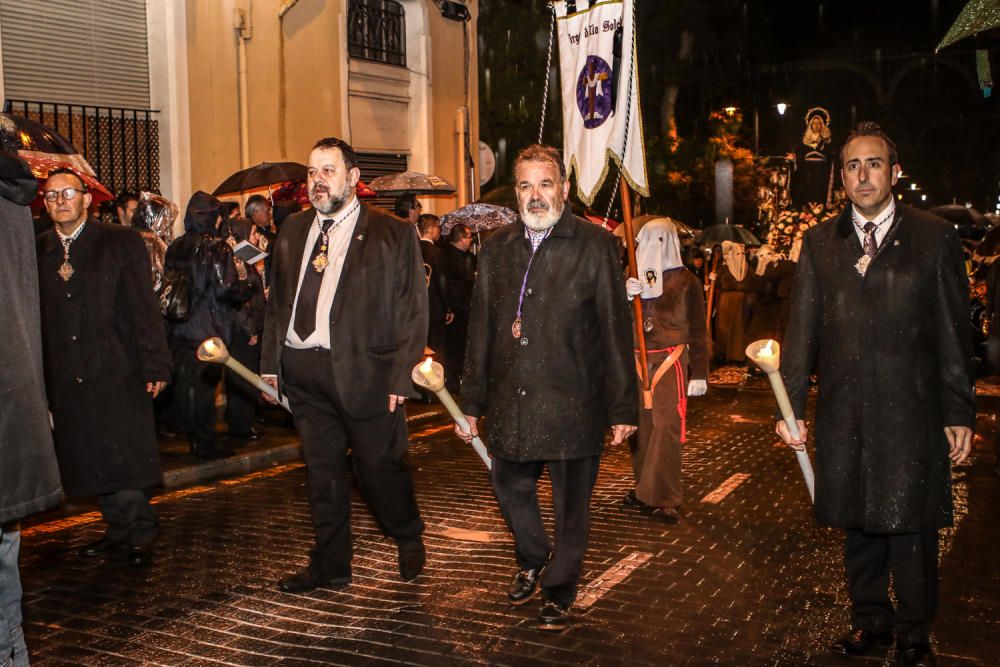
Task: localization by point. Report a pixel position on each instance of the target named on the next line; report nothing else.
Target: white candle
(430, 375)
(767, 355)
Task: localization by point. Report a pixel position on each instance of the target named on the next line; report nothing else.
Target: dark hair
(254, 203)
(542, 153)
(72, 172)
(458, 232)
(350, 157)
(405, 203)
(427, 222)
(124, 197)
(869, 129)
(227, 208)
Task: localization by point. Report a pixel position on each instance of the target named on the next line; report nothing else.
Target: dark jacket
(103, 340)
(29, 476)
(460, 276)
(216, 290)
(378, 321)
(437, 295)
(893, 354)
(551, 393)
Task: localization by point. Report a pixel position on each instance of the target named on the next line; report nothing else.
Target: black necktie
(305, 308)
(870, 246)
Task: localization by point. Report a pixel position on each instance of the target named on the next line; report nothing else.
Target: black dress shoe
(140, 556)
(412, 557)
(101, 546)
(553, 616)
(630, 500)
(310, 579)
(917, 655)
(861, 642)
(525, 584)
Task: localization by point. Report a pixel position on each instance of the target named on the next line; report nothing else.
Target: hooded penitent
(735, 258)
(659, 250)
(765, 257)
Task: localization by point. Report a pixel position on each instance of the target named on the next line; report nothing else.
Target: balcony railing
(122, 145)
(376, 30)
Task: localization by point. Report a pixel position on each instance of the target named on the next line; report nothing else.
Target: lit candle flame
(210, 346)
(767, 350)
(426, 366)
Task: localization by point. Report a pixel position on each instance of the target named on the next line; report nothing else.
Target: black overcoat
(29, 477)
(378, 321)
(552, 392)
(103, 339)
(893, 354)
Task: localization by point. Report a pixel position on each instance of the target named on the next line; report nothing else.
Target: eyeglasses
(67, 194)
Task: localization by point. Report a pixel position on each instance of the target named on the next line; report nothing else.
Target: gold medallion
(515, 328)
(321, 262)
(66, 271)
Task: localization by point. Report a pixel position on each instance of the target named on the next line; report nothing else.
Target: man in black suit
(880, 309)
(459, 266)
(346, 322)
(440, 314)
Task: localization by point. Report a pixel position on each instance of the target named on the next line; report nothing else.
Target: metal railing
(376, 30)
(122, 145)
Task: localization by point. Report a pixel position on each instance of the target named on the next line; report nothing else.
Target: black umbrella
(970, 223)
(710, 236)
(262, 175)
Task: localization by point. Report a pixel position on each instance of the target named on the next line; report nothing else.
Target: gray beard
(334, 204)
(543, 221)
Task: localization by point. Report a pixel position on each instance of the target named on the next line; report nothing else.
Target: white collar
(71, 237)
(880, 219)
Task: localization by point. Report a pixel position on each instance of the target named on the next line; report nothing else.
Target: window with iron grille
(376, 30)
(373, 165)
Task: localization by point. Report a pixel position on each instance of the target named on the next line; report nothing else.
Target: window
(376, 30)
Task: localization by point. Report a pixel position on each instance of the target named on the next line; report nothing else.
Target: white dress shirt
(340, 235)
(883, 221)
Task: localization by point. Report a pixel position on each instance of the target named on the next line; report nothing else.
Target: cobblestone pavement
(748, 579)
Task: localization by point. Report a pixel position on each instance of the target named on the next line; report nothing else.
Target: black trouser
(454, 358)
(516, 488)
(130, 518)
(378, 455)
(912, 558)
(195, 383)
(241, 396)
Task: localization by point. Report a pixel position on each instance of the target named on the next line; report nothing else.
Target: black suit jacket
(437, 295)
(893, 354)
(378, 322)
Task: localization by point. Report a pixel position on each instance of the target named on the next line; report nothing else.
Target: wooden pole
(647, 392)
(712, 271)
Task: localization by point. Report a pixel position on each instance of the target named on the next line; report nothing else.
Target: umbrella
(259, 176)
(961, 216)
(715, 234)
(978, 16)
(42, 164)
(43, 150)
(683, 231)
(478, 217)
(411, 181)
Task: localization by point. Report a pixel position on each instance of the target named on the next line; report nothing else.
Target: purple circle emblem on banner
(593, 92)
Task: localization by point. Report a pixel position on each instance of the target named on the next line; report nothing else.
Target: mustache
(537, 203)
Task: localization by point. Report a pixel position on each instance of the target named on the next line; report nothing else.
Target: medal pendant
(66, 271)
(647, 324)
(515, 329)
(320, 263)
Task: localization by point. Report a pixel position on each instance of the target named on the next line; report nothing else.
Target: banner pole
(626, 193)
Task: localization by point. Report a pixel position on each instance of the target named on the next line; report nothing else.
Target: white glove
(697, 387)
(633, 287)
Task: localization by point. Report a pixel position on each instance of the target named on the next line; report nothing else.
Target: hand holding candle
(430, 375)
(213, 350)
(767, 355)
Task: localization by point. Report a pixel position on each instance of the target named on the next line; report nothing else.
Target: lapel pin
(360, 237)
(895, 243)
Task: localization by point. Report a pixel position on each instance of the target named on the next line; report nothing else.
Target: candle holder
(430, 375)
(214, 351)
(767, 355)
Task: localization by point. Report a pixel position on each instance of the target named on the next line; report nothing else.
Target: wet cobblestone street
(746, 579)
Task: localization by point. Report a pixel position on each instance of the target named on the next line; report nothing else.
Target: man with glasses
(106, 358)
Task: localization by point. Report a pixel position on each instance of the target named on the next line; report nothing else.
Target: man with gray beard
(346, 322)
(549, 365)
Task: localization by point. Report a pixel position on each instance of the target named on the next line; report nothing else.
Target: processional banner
(600, 93)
